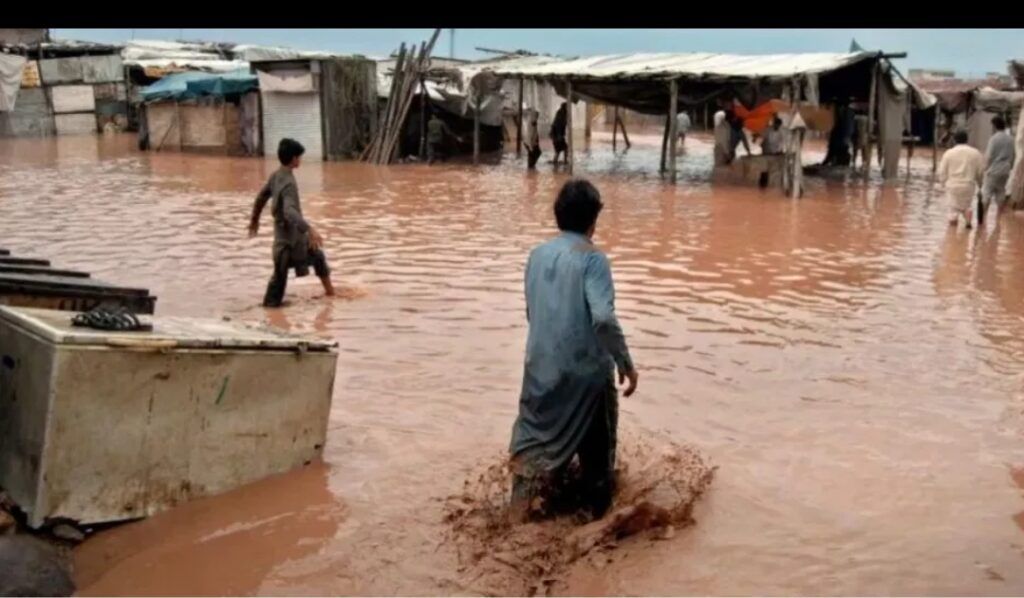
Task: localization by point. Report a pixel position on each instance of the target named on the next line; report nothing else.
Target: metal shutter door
(295, 115)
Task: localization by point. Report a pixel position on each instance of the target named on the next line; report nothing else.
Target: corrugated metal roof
(667, 65)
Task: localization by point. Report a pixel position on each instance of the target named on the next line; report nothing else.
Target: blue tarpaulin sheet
(194, 84)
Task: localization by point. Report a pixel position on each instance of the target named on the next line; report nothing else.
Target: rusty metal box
(104, 426)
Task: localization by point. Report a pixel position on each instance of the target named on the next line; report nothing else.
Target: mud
(656, 491)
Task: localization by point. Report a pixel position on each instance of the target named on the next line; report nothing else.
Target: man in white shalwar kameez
(961, 172)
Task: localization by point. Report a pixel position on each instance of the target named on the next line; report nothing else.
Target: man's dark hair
(288, 150)
(998, 122)
(577, 206)
(960, 137)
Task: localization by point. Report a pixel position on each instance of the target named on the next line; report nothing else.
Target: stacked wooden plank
(31, 282)
(410, 69)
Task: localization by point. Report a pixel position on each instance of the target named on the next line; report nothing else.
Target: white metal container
(103, 426)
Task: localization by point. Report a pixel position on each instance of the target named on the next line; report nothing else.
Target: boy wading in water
(296, 244)
(568, 406)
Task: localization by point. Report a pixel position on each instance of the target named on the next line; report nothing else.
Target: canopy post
(615, 127)
(568, 125)
(910, 130)
(476, 131)
(423, 118)
(673, 104)
(519, 123)
(664, 147)
(625, 135)
(871, 119)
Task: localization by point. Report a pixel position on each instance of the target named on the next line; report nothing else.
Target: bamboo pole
(374, 150)
(408, 93)
(615, 128)
(673, 104)
(871, 120)
(568, 124)
(420, 65)
(519, 123)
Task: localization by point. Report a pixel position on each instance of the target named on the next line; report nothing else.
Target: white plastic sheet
(286, 81)
(11, 67)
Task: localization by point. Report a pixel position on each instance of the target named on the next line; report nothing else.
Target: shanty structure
(202, 112)
(327, 103)
(664, 83)
(59, 87)
(967, 104)
(444, 92)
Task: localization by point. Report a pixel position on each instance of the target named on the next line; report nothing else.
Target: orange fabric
(757, 119)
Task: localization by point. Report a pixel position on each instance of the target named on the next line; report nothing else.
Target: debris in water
(66, 531)
(656, 493)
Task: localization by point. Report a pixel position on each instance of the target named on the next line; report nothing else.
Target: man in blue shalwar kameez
(569, 405)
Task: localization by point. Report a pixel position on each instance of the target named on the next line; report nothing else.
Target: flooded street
(853, 366)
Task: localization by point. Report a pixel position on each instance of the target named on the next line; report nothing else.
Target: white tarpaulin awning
(663, 65)
(252, 53)
(11, 67)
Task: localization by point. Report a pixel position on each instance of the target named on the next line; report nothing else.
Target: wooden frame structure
(668, 83)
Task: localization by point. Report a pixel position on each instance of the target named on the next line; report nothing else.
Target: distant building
(932, 74)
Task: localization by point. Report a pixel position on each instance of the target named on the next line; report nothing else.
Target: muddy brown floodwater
(853, 367)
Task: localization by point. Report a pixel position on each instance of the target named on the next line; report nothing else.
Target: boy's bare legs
(328, 286)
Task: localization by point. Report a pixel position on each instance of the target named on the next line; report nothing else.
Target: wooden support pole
(423, 117)
(935, 139)
(673, 132)
(795, 149)
(664, 147)
(625, 136)
(568, 126)
(476, 128)
(519, 123)
(910, 129)
(707, 125)
(588, 116)
(615, 127)
(798, 167)
(871, 120)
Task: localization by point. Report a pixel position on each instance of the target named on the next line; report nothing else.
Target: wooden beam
(519, 123)
(673, 133)
(871, 119)
(571, 159)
